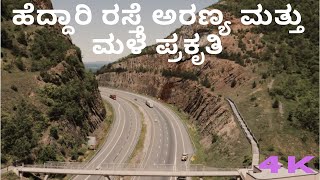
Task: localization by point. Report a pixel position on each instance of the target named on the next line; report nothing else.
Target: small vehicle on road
(184, 157)
(181, 178)
(114, 97)
(98, 167)
(149, 104)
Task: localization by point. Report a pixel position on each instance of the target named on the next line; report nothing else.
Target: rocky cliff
(49, 102)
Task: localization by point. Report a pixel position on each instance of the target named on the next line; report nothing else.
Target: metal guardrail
(250, 131)
(127, 166)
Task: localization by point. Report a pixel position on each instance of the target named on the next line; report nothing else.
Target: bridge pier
(107, 178)
(21, 175)
(46, 176)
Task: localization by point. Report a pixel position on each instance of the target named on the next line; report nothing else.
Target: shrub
(181, 74)
(54, 132)
(47, 153)
(22, 38)
(253, 98)
(20, 65)
(254, 84)
(206, 82)
(6, 41)
(275, 104)
(233, 83)
(215, 138)
(13, 87)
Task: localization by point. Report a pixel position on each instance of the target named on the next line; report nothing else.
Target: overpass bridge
(122, 170)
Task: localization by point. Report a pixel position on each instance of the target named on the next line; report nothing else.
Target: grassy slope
(27, 120)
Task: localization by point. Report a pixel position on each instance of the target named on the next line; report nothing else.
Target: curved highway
(169, 137)
(122, 138)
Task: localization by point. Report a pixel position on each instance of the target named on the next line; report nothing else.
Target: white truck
(149, 104)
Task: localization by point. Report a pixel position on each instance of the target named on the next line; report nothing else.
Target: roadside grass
(134, 157)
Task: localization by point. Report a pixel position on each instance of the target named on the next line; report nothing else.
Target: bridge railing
(129, 166)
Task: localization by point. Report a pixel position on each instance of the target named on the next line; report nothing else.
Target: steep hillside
(254, 69)
(49, 102)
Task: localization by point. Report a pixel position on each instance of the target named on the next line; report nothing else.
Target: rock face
(191, 88)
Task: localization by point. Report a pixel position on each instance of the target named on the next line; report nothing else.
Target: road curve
(169, 137)
(122, 138)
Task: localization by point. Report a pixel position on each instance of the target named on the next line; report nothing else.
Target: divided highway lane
(122, 138)
(169, 136)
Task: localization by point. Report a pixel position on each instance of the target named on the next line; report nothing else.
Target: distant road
(169, 137)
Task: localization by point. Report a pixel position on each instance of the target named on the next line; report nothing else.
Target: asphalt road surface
(169, 137)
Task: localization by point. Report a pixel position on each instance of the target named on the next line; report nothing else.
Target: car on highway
(184, 157)
(114, 97)
(149, 104)
(181, 178)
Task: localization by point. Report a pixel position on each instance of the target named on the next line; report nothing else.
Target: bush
(215, 138)
(6, 41)
(47, 153)
(181, 74)
(19, 64)
(22, 38)
(254, 84)
(54, 132)
(233, 83)
(13, 87)
(275, 104)
(20, 132)
(206, 82)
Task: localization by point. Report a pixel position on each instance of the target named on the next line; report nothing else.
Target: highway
(122, 138)
(168, 136)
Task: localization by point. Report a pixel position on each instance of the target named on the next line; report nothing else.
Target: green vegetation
(9, 176)
(206, 83)
(140, 145)
(48, 99)
(186, 75)
(20, 132)
(292, 58)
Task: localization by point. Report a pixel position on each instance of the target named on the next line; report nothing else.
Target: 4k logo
(272, 163)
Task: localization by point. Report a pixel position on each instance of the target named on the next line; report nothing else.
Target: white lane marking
(97, 157)
(114, 143)
(135, 133)
(176, 143)
(175, 134)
